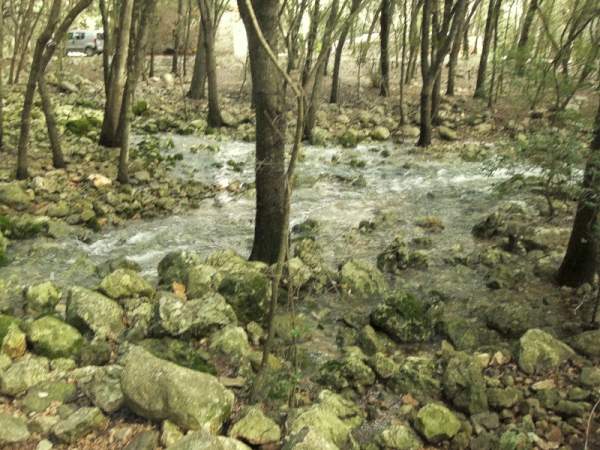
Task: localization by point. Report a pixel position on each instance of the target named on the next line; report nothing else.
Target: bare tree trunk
(580, 263)
(198, 84)
(1, 75)
(267, 87)
(109, 136)
(107, 50)
(427, 81)
(493, 11)
(207, 14)
(311, 43)
(58, 159)
(454, 52)
(403, 62)
(387, 12)
(177, 38)
(523, 43)
(186, 36)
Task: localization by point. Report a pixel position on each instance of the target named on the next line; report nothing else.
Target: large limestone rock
(399, 436)
(12, 194)
(54, 338)
(417, 376)
(362, 280)
(588, 343)
(157, 389)
(255, 428)
(198, 440)
(42, 298)
(175, 266)
(403, 318)
(125, 283)
(12, 429)
(197, 318)
(436, 423)
(14, 343)
(42, 395)
(90, 311)
(539, 352)
(231, 342)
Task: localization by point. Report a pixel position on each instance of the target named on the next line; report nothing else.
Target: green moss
(178, 352)
(5, 322)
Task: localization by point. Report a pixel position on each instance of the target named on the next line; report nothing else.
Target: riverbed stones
(380, 133)
(42, 395)
(197, 318)
(42, 298)
(12, 194)
(23, 374)
(54, 338)
(3, 247)
(125, 283)
(175, 266)
(502, 398)
(14, 343)
(587, 343)
(12, 429)
(418, 376)
(201, 279)
(78, 424)
(403, 318)
(103, 387)
(361, 280)
(91, 311)
(231, 342)
(436, 423)
(255, 428)
(540, 352)
(157, 389)
(197, 440)
(447, 134)
(590, 376)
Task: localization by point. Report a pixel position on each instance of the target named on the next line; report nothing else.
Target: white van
(90, 42)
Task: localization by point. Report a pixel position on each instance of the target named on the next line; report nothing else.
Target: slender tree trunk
(267, 87)
(207, 14)
(109, 136)
(454, 52)
(107, 50)
(387, 11)
(152, 57)
(1, 75)
(427, 81)
(580, 263)
(186, 36)
(494, 5)
(337, 60)
(311, 43)
(177, 38)
(198, 85)
(58, 159)
(403, 62)
(523, 43)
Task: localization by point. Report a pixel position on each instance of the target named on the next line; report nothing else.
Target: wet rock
(350, 370)
(447, 134)
(12, 429)
(310, 253)
(12, 194)
(380, 133)
(403, 318)
(464, 384)
(41, 396)
(398, 257)
(349, 139)
(513, 318)
(197, 318)
(197, 440)
(231, 342)
(587, 343)
(399, 436)
(201, 279)
(361, 280)
(436, 423)
(80, 423)
(539, 352)
(90, 311)
(467, 334)
(418, 376)
(14, 343)
(255, 428)
(42, 298)
(157, 389)
(23, 374)
(146, 440)
(125, 283)
(383, 366)
(54, 338)
(175, 266)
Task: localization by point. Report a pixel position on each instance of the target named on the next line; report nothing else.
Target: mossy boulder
(125, 283)
(6, 321)
(255, 428)
(14, 343)
(404, 318)
(180, 352)
(12, 429)
(361, 280)
(175, 266)
(92, 312)
(464, 385)
(349, 138)
(12, 194)
(380, 133)
(82, 422)
(437, 423)
(54, 338)
(418, 376)
(23, 374)
(42, 298)
(587, 343)
(231, 342)
(540, 352)
(41, 396)
(399, 436)
(157, 389)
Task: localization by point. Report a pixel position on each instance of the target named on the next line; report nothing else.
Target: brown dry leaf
(179, 290)
(409, 400)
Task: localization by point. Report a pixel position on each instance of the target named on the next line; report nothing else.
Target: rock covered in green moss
(90, 311)
(157, 389)
(125, 283)
(436, 423)
(13, 194)
(464, 384)
(12, 429)
(403, 318)
(42, 298)
(587, 343)
(23, 374)
(82, 422)
(399, 436)
(231, 342)
(42, 395)
(54, 338)
(540, 351)
(255, 428)
(418, 376)
(361, 280)
(197, 440)
(14, 343)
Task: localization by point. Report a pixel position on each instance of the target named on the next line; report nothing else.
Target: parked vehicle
(90, 42)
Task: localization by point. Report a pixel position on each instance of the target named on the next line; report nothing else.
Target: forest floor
(421, 277)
